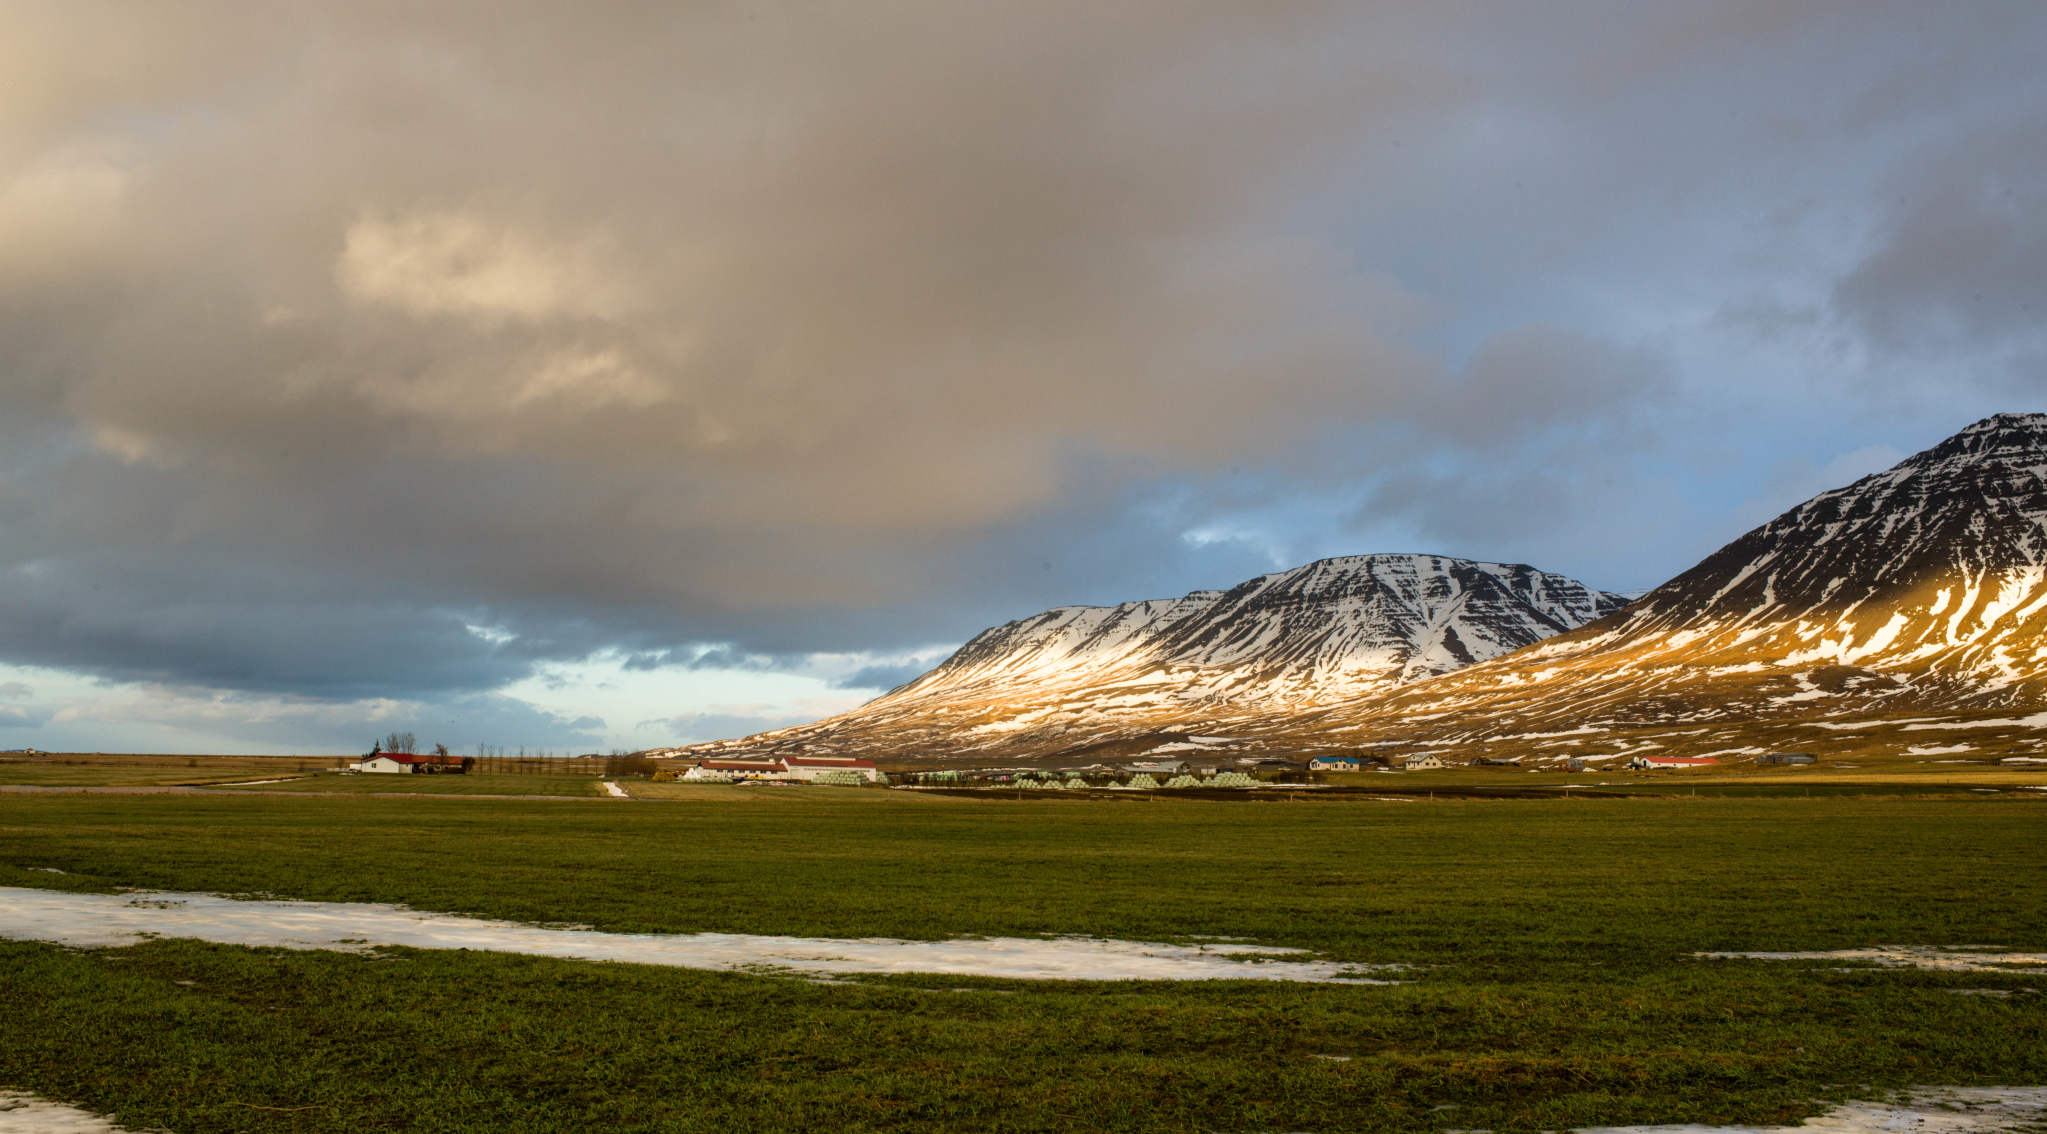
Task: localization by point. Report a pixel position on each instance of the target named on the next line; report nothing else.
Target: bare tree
(401, 742)
(627, 764)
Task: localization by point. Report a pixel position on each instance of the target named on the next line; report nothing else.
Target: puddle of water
(89, 920)
(1922, 1110)
(1949, 958)
(26, 1114)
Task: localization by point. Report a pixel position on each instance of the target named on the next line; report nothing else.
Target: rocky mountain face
(1916, 592)
(1149, 676)
(1904, 616)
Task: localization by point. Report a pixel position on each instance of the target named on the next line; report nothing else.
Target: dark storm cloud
(372, 350)
(1961, 250)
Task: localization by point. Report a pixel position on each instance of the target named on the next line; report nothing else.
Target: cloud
(22, 716)
(150, 717)
(377, 353)
(1529, 383)
(1960, 257)
(883, 677)
(444, 263)
(692, 728)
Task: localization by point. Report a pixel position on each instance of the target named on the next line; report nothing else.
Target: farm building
(809, 768)
(1335, 764)
(404, 762)
(1155, 767)
(1787, 758)
(1417, 762)
(1646, 762)
(795, 769)
(736, 770)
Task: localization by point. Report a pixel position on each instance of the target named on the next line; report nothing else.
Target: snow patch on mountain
(1160, 670)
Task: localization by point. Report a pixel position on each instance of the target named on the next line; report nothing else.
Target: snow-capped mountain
(1921, 589)
(1143, 673)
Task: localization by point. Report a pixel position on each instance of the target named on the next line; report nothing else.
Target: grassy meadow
(1553, 984)
(375, 784)
(86, 775)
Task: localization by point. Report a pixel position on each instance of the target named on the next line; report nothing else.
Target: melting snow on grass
(90, 920)
(1959, 958)
(1923, 1110)
(27, 1114)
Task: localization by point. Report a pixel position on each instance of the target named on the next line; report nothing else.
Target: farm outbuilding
(1640, 763)
(810, 768)
(1157, 767)
(1417, 762)
(731, 770)
(795, 769)
(405, 762)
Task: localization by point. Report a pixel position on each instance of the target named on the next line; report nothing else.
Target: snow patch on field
(26, 1114)
(1949, 959)
(1922, 1110)
(95, 920)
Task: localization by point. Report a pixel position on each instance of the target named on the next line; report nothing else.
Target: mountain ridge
(1903, 615)
(1076, 677)
(1921, 589)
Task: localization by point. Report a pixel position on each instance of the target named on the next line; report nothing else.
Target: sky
(615, 375)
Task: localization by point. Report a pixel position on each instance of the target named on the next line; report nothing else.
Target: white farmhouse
(400, 762)
(730, 771)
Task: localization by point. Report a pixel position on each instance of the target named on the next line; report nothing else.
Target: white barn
(808, 768)
(385, 762)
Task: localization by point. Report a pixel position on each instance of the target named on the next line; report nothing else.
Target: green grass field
(1554, 986)
(360, 784)
(86, 775)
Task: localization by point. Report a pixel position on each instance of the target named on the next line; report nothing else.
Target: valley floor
(1552, 943)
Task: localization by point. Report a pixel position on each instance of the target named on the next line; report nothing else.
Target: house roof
(827, 762)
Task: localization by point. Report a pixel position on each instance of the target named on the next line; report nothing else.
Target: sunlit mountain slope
(1917, 592)
(1142, 675)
